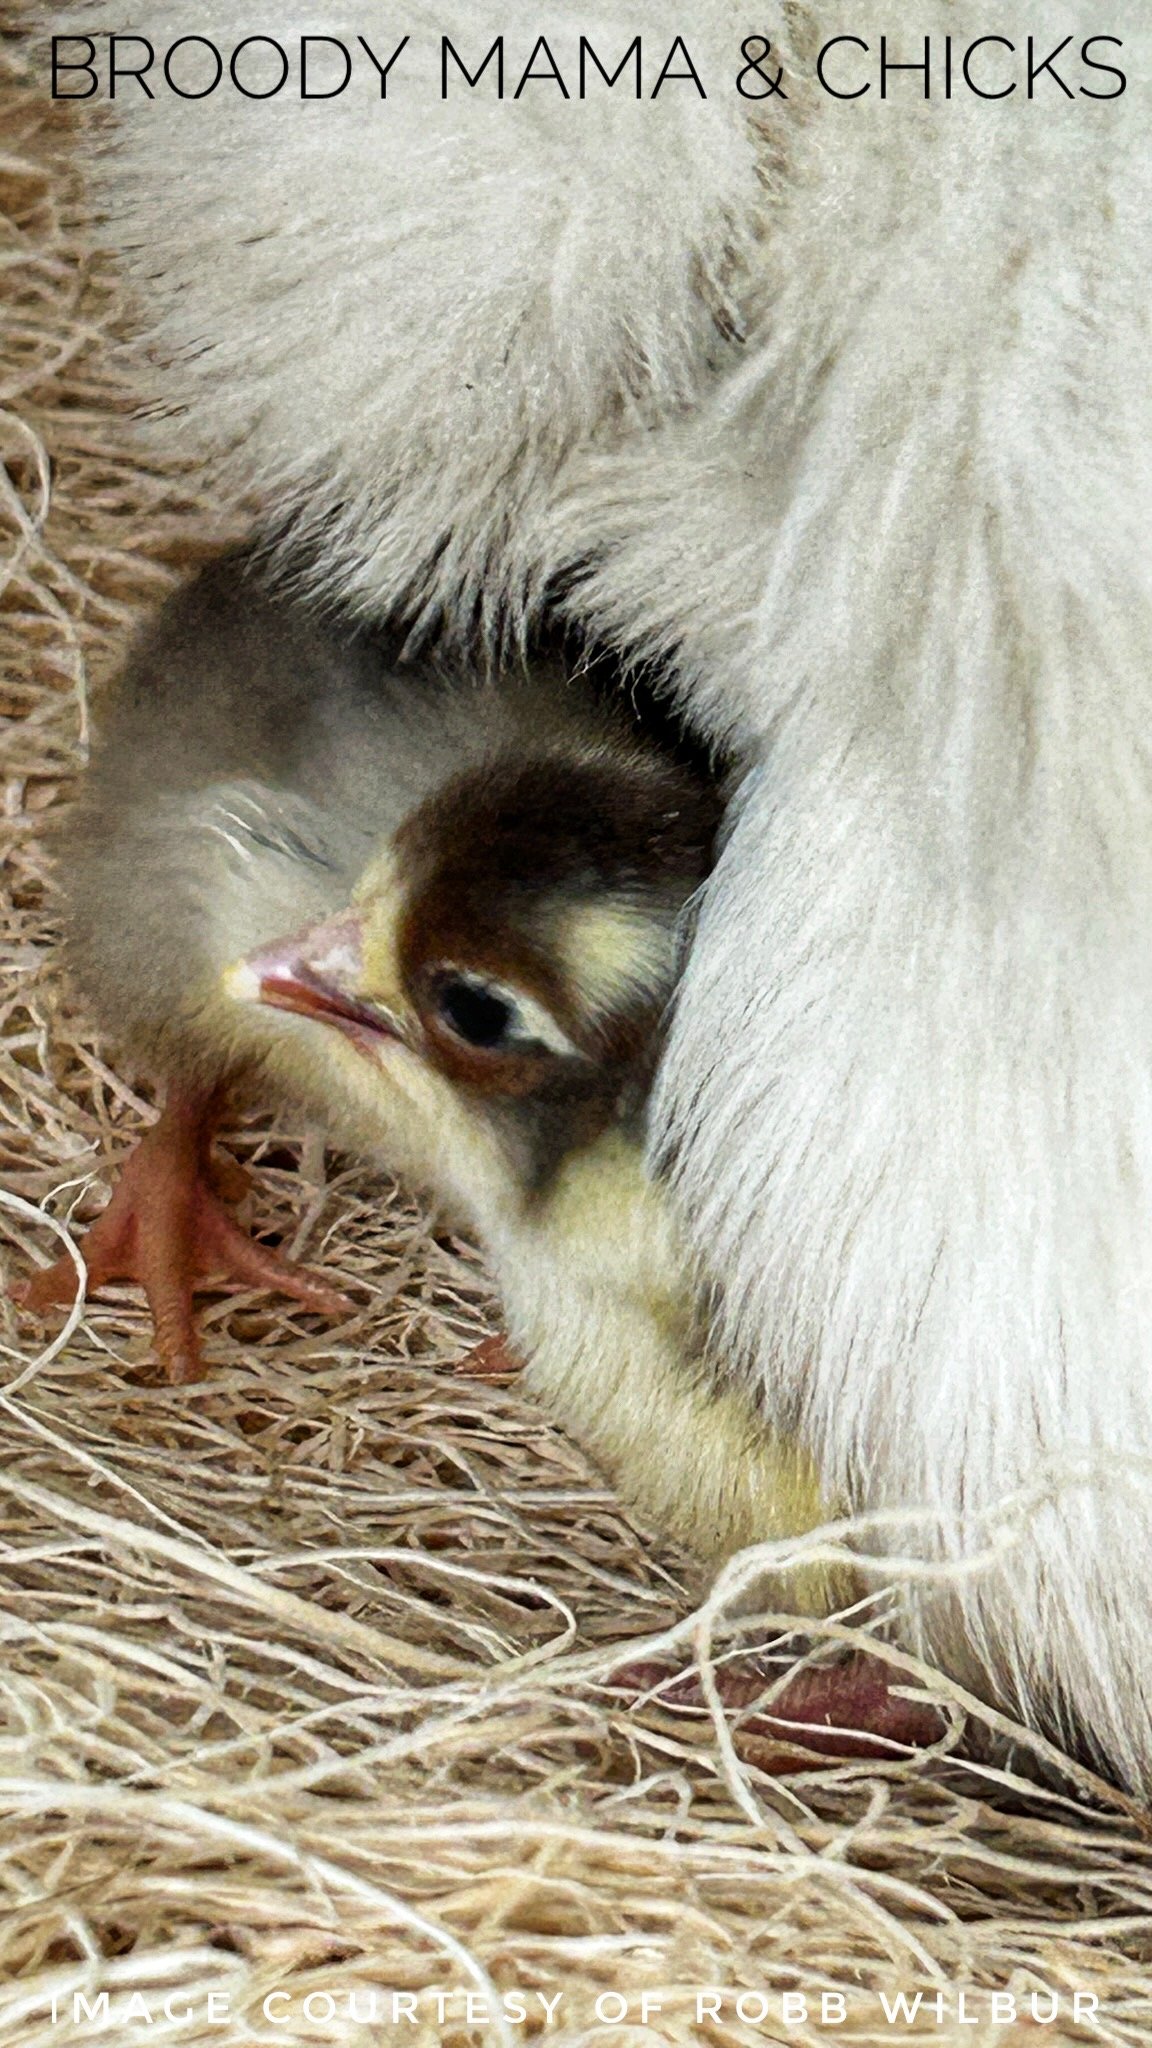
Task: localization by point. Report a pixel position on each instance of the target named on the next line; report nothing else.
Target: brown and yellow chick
(256, 767)
(483, 888)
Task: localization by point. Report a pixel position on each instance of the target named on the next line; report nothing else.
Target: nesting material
(308, 1670)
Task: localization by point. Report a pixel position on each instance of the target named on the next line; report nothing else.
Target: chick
(483, 888)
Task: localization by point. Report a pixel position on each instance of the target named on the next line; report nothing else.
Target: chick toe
(166, 1230)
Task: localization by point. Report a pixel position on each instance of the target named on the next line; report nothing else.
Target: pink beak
(315, 973)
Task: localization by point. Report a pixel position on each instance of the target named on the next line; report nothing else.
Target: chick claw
(166, 1229)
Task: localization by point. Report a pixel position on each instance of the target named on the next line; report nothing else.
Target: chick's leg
(166, 1228)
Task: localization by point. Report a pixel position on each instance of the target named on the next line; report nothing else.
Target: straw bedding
(308, 1670)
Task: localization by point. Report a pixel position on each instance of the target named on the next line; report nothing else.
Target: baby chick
(482, 887)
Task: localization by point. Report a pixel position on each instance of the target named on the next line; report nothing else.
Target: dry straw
(305, 1669)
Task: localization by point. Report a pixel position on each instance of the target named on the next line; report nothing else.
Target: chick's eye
(483, 1012)
(474, 1011)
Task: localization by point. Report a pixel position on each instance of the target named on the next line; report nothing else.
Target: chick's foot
(166, 1229)
(492, 1359)
(852, 1708)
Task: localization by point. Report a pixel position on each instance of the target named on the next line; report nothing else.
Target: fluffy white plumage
(850, 407)
(426, 304)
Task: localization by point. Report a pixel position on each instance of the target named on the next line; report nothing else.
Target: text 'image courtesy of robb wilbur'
(576, 1161)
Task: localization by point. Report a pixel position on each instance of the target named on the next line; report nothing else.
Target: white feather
(428, 303)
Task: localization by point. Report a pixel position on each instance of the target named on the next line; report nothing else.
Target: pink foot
(489, 1360)
(167, 1229)
(841, 1710)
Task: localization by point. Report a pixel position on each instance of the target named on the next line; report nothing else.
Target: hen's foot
(166, 1229)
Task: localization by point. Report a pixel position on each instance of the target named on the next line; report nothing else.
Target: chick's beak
(317, 973)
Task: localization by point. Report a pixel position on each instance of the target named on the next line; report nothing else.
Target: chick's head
(518, 940)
